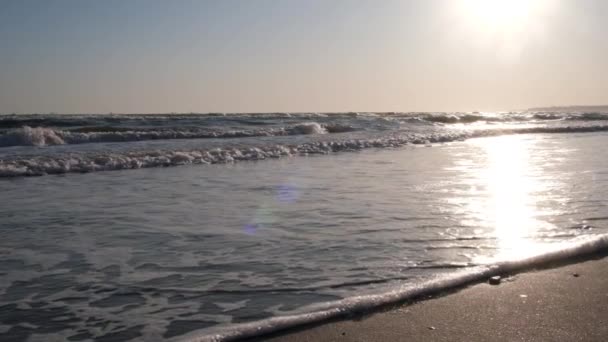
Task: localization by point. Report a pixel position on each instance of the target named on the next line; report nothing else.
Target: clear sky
(131, 56)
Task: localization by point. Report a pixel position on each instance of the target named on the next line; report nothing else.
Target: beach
(567, 303)
(303, 170)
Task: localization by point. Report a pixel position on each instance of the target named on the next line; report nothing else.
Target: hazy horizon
(301, 56)
(543, 108)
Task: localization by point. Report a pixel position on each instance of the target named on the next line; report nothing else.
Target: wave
(309, 128)
(28, 136)
(348, 307)
(466, 118)
(78, 120)
(592, 116)
(106, 129)
(257, 119)
(90, 162)
(41, 136)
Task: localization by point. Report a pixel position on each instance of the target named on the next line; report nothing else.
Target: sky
(153, 56)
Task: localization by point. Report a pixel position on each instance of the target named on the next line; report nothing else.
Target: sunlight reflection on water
(511, 183)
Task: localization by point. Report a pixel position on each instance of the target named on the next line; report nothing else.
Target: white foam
(347, 307)
(90, 162)
(40, 136)
(27, 136)
(308, 128)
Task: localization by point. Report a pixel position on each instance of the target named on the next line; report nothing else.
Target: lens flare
(287, 193)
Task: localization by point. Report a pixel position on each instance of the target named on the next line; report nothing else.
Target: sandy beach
(567, 303)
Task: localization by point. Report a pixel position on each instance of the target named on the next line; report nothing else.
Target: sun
(504, 28)
(500, 14)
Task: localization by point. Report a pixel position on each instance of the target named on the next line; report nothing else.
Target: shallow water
(159, 252)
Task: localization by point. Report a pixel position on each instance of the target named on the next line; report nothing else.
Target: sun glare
(505, 26)
(504, 15)
(499, 13)
(513, 191)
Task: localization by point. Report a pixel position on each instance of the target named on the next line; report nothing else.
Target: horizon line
(309, 112)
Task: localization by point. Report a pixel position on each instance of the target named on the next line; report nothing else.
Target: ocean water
(155, 227)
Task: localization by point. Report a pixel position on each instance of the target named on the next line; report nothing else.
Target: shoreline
(352, 310)
(559, 301)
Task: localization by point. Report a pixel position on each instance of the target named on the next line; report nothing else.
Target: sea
(218, 227)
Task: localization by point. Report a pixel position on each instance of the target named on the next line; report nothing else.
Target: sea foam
(40, 136)
(99, 161)
(28, 136)
(348, 307)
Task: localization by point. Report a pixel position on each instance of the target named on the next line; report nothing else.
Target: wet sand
(568, 303)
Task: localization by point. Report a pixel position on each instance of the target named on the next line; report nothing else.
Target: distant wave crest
(28, 136)
(45, 130)
(42, 136)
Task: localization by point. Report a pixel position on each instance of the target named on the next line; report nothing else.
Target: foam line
(41, 136)
(90, 162)
(362, 304)
(75, 120)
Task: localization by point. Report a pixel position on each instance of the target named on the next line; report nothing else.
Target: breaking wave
(38, 130)
(28, 136)
(95, 161)
(41, 136)
(82, 120)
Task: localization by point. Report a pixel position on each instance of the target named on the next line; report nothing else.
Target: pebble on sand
(495, 280)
